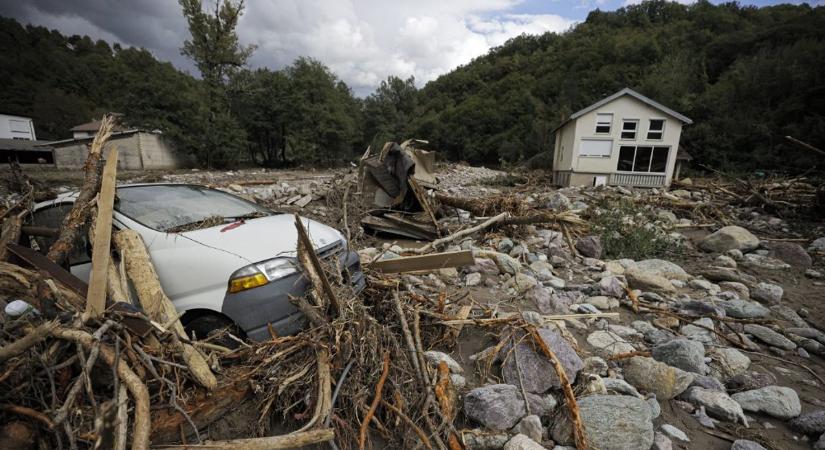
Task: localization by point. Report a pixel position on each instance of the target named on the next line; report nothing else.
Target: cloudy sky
(363, 41)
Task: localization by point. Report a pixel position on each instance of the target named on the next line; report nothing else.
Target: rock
(236, 187)
(740, 289)
(790, 253)
(505, 245)
(542, 270)
(653, 376)
(530, 426)
(544, 300)
(683, 354)
(756, 261)
(663, 268)
(603, 303)
(590, 246)
(749, 381)
(707, 382)
(818, 245)
(559, 202)
(613, 422)
(608, 344)
(729, 362)
(521, 283)
(483, 440)
(704, 285)
(484, 266)
(505, 263)
(615, 385)
(744, 444)
(769, 336)
(522, 442)
(744, 309)
(776, 401)
(500, 406)
(595, 365)
(725, 261)
(767, 292)
(717, 404)
(810, 423)
(473, 279)
(661, 442)
(611, 287)
(655, 409)
(698, 330)
(729, 238)
(667, 216)
(434, 358)
(537, 373)
(674, 433)
(647, 281)
(808, 332)
(789, 314)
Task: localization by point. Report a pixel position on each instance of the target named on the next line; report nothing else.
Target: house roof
(23, 144)
(114, 135)
(634, 94)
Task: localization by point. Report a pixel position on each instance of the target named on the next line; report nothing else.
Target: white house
(625, 139)
(16, 127)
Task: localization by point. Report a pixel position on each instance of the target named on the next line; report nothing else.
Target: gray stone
(522, 442)
(707, 382)
(767, 292)
(473, 279)
(559, 202)
(717, 404)
(704, 285)
(698, 330)
(790, 315)
(740, 289)
(790, 253)
(434, 358)
(656, 377)
(483, 266)
(662, 268)
(655, 408)
(818, 245)
(521, 283)
(483, 440)
(808, 332)
(542, 270)
(613, 422)
(769, 336)
(725, 261)
(666, 216)
(615, 385)
(505, 263)
(757, 261)
(661, 442)
(611, 287)
(744, 444)
(505, 245)
(683, 354)
(608, 344)
(776, 401)
(729, 238)
(603, 303)
(500, 406)
(729, 362)
(647, 281)
(744, 309)
(820, 443)
(749, 381)
(530, 426)
(544, 300)
(674, 433)
(589, 246)
(595, 365)
(537, 372)
(810, 423)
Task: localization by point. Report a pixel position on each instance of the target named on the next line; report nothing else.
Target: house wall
(72, 155)
(16, 127)
(158, 153)
(624, 107)
(565, 140)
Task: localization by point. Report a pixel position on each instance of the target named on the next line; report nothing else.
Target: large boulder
(613, 422)
(500, 406)
(776, 401)
(536, 371)
(683, 354)
(717, 404)
(790, 253)
(647, 281)
(731, 237)
(663, 268)
(657, 377)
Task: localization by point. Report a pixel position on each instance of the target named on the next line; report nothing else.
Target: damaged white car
(222, 260)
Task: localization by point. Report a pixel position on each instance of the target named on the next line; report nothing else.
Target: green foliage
(627, 231)
(747, 77)
(389, 111)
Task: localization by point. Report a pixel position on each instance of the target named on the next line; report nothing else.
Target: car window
(171, 207)
(52, 217)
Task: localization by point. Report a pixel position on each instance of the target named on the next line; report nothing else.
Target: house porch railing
(637, 179)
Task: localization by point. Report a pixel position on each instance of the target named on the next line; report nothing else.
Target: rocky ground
(716, 341)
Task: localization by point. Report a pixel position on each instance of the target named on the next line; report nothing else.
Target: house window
(656, 129)
(603, 123)
(629, 127)
(599, 148)
(642, 159)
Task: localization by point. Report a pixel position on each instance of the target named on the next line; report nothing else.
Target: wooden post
(155, 302)
(101, 247)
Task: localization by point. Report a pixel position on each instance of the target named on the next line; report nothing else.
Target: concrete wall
(136, 151)
(16, 127)
(624, 107)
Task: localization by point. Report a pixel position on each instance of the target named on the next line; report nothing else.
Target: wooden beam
(40, 262)
(101, 247)
(312, 266)
(425, 262)
(292, 440)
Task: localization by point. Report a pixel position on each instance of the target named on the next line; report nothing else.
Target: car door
(51, 216)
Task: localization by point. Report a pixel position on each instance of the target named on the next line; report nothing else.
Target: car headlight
(261, 273)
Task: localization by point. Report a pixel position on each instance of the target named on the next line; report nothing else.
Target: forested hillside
(746, 76)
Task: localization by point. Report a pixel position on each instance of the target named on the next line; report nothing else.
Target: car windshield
(179, 208)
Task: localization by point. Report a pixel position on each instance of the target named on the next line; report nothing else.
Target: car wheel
(207, 325)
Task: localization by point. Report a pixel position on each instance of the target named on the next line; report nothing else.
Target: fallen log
(466, 232)
(292, 440)
(80, 212)
(203, 410)
(12, 227)
(31, 338)
(157, 305)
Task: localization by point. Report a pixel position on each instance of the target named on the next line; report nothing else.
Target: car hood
(263, 238)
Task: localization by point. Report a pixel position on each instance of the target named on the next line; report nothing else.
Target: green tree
(389, 111)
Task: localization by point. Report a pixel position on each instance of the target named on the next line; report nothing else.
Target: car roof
(71, 196)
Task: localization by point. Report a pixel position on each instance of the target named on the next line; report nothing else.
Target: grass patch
(631, 231)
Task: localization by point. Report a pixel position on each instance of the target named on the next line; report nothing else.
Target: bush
(630, 231)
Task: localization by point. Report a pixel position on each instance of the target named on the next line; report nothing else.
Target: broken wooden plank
(421, 196)
(293, 199)
(312, 265)
(40, 262)
(303, 201)
(387, 226)
(425, 262)
(101, 247)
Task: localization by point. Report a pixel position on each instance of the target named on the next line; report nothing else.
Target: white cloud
(636, 2)
(362, 41)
